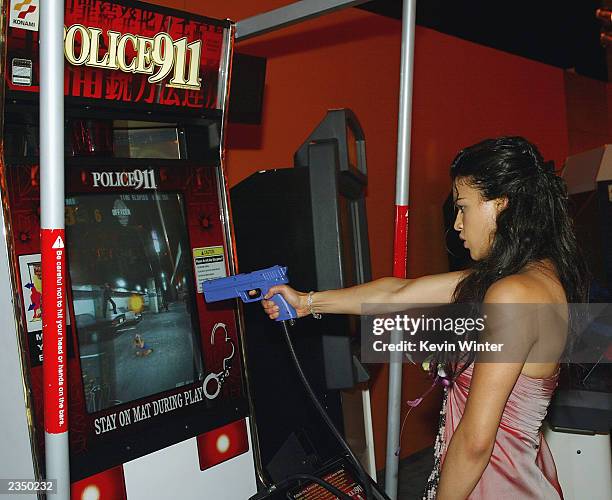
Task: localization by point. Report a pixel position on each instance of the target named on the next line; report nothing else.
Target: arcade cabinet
(158, 398)
(312, 219)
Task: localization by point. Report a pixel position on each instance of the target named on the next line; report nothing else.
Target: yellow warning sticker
(209, 264)
(208, 251)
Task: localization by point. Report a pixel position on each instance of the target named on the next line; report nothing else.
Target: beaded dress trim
(434, 478)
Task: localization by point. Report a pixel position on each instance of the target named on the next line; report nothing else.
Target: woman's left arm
(472, 443)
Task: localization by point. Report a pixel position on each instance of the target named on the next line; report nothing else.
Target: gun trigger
(247, 297)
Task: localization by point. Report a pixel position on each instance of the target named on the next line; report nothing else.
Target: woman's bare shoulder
(534, 284)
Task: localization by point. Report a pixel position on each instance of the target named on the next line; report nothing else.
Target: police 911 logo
(136, 179)
(24, 14)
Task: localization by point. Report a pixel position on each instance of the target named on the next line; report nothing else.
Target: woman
(512, 216)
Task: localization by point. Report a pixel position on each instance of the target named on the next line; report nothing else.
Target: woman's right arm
(434, 289)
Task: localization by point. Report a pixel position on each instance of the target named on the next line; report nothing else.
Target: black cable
(365, 478)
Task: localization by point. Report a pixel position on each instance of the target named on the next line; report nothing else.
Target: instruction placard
(209, 264)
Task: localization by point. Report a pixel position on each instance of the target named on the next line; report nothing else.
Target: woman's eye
(460, 208)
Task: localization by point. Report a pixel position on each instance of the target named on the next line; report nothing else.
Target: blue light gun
(240, 284)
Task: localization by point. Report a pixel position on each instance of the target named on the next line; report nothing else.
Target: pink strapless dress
(521, 465)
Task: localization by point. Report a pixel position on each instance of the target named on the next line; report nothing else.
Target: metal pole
(55, 373)
(394, 405)
(290, 14)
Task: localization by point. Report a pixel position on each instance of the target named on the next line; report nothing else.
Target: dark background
(561, 33)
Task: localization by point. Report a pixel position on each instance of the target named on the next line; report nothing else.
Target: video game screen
(132, 294)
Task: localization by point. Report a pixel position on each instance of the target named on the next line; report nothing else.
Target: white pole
(394, 405)
(52, 245)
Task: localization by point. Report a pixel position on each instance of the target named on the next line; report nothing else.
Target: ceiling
(563, 33)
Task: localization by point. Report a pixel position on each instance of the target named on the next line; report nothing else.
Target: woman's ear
(501, 204)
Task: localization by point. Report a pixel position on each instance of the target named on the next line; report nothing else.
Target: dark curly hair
(535, 225)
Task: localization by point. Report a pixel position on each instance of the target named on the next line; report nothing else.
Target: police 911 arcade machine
(158, 403)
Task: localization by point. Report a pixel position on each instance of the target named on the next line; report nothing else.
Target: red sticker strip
(54, 330)
(400, 250)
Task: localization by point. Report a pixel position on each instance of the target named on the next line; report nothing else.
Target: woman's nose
(458, 222)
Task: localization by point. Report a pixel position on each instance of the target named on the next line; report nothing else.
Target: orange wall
(589, 112)
(462, 93)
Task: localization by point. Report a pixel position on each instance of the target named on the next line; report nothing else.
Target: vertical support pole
(394, 405)
(55, 375)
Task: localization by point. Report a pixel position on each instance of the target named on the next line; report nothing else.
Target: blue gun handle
(286, 310)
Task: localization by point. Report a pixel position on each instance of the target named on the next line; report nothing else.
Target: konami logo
(24, 14)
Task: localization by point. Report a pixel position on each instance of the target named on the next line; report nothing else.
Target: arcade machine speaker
(312, 219)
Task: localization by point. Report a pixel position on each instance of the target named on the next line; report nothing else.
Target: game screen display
(132, 288)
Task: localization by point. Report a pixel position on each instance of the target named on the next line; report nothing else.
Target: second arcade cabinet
(310, 218)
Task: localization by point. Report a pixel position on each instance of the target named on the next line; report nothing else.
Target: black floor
(413, 473)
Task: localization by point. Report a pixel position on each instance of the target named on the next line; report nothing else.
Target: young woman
(512, 216)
